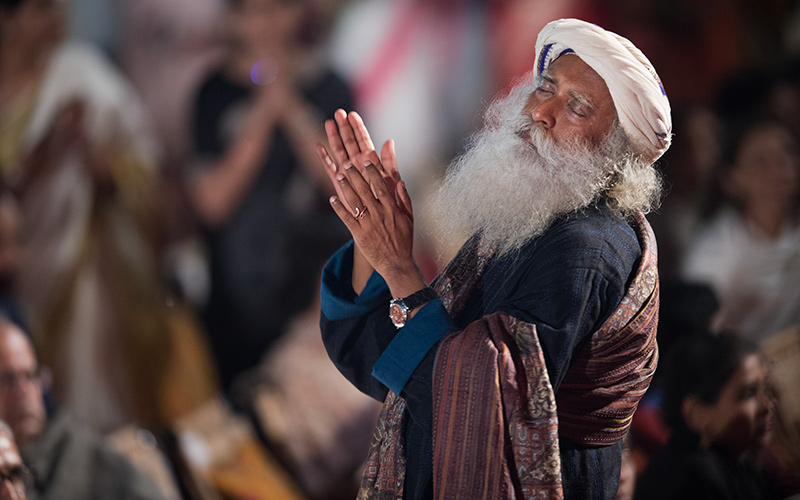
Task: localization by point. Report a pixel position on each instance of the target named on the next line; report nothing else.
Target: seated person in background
(717, 404)
(70, 461)
(12, 471)
(748, 247)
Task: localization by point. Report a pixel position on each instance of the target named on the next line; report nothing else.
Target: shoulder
(596, 238)
(726, 224)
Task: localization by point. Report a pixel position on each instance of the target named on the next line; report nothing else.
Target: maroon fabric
(495, 423)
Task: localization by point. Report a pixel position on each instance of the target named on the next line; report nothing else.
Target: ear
(696, 414)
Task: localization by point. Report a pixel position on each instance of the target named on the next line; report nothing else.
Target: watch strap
(420, 297)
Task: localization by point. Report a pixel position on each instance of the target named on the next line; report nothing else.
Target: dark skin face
(742, 414)
(572, 103)
(741, 417)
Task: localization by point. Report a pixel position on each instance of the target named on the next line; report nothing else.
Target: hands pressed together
(373, 203)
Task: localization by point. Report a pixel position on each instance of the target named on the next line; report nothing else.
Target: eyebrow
(548, 77)
(582, 99)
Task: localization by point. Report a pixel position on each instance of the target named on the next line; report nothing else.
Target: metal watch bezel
(398, 312)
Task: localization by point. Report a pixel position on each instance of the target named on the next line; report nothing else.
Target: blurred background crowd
(163, 222)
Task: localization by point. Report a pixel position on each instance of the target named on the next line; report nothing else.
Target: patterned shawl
(495, 417)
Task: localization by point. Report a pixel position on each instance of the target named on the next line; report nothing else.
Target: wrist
(404, 281)
(403, 309)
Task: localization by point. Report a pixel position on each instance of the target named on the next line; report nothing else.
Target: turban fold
(639, 97)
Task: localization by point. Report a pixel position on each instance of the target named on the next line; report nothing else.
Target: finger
(362, 188)
(335, 142)
(404, 200)
(360, 132)
(344, 214)
(327, 162)
(354, 190)
(347, 134)
(389, 160)
(378, 185)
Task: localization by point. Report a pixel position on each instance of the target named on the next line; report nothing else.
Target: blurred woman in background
(718, 405)
(748, 247)
(76, 150)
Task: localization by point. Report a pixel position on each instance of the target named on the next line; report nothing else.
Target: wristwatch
(399, 309)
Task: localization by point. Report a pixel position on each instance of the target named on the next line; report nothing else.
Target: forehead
(571, 73)
(16, 351)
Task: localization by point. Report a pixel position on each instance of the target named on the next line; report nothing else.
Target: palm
(350, 143)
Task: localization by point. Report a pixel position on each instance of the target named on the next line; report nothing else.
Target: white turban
(639, 97)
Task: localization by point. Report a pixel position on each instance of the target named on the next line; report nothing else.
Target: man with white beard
(516, 372)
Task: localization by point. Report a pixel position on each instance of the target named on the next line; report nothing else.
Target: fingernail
(367, 163)
(340, 177)
(348, 166)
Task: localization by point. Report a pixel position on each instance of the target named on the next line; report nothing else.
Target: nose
(542, 111)
(767, 400)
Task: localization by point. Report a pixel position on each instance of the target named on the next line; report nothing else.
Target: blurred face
(572, 103)
(35, 24)
(264, 26)
(11, 467)
(741, 417)
(21, 402)
(767, 169)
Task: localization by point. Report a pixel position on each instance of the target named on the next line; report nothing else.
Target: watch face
(397, 314)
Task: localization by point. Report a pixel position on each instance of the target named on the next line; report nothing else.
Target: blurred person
(313, 418)
(718, 406)
(13, 473)
(255, 184)
(687, 168)
(70, 460)
(515, 373)
(748, 245)
(76, 150)
(782, 458)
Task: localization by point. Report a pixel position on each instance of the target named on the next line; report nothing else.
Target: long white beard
(511, 190)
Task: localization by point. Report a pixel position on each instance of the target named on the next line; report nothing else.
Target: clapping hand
(371, 200)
